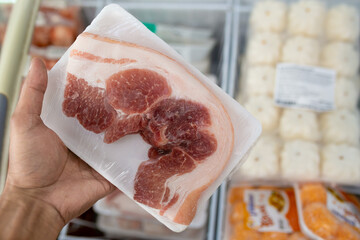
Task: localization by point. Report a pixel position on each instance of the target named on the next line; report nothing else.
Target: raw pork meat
(136, 90)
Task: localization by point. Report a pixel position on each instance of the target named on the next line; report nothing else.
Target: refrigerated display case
(237, 69)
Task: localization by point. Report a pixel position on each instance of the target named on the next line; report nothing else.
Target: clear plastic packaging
(327, 213)
(303, 33)
(262, 212)
(116, 41)
(118, 215)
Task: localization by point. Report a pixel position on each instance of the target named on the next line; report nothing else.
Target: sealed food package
(154, 126)
(327, 213)
(262, 212)
(118, 215)
(299, 78)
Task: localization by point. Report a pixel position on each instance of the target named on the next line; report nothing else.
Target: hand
(41, 168)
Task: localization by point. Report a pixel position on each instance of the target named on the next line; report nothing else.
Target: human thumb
(32, 94)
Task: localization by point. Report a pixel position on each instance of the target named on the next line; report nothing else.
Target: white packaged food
(306, 17)
(264, 109)
(260, 80)
(341, 126)
(264, 48)
(340, 163)
(121, 96)
(268, 16)
(346, 94)
(301, 50)
(299, 124)
(263, 161)
(300, 160)
(342, 23)
(341, 57)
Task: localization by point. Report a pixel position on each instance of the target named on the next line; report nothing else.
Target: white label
(343, 210)
(307, 87)
(264, 216)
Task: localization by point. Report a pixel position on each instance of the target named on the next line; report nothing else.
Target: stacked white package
(310, 37)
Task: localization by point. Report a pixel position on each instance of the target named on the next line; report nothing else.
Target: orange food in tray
(347, 232)
(313, 192)
(274, 236)
(320, 220)
(297, 236)
(264, 213)
(329, 213)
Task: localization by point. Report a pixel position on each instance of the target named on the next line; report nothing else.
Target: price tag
(299, 86)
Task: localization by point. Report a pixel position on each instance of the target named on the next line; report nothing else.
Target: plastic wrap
(327, 213)
(118, 215)
(313, 35)
(116, 41)
(262, 212)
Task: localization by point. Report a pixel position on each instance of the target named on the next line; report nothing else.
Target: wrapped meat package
(154, 126)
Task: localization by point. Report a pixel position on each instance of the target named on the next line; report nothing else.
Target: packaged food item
(263, 161)
(346, 94)
(299, 124)
(341, 126)
(264, 48)
(117, 204)
(301, 59)
(301, 50)
(327, 213)
(262, 212)
(260, 80)
(300, 160)
(57, 26)
(342, 57)
(340, 163)
(342, 23)
(306, 17)
(118, 215)
(154, 126)
(269, 16)
(264, 109)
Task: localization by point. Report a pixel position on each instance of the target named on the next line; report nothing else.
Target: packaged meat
(118, 215)
(327, 213)
(154, 126)
(117, 204)
(262, 212)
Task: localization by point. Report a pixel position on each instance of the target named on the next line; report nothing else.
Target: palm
(42, 166)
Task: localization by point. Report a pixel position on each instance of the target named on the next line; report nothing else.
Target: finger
(32, 93)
